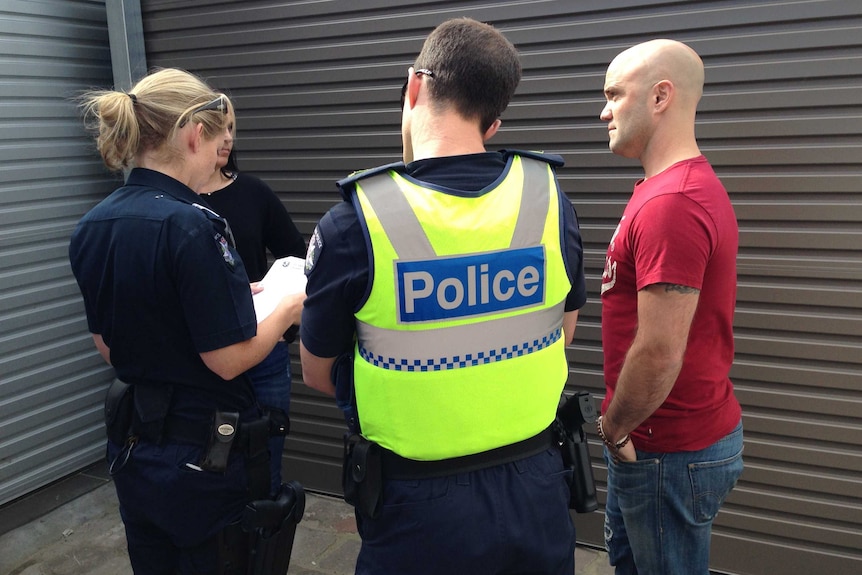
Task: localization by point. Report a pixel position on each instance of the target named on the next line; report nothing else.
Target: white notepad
(286, 276)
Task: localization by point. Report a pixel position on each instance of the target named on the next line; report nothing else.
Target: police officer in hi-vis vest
(441, 295)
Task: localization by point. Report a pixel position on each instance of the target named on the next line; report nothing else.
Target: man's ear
(662, 94)
(412, 93)
(492, 129)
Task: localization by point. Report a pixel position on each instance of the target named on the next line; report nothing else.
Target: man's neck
(446, 135)
(673, 142)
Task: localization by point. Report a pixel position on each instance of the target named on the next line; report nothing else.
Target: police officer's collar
(346, 185)
(163, 182)
(553, 159)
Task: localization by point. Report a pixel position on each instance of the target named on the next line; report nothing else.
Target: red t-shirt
(679, 228)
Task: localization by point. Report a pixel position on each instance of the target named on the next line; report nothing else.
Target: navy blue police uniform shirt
(161, 285)
(338, 261)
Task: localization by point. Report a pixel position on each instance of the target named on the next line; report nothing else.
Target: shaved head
(652, 92)
(657, 60)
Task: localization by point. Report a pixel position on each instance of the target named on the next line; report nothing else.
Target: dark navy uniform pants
(172, 512)
(507, 519)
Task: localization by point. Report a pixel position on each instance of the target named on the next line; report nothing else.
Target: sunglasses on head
(220, 104)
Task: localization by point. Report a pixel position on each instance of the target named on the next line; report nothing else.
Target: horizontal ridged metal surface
(51, 379)
(316, 86)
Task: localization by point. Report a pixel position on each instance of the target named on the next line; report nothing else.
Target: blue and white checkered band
(464, 360)
(464, 345)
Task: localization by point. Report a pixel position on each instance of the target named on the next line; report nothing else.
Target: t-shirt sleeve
(337, 270)
(213, 289)
(672, 238)
(573, 251)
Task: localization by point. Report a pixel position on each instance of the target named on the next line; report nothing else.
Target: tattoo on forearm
(679, 288)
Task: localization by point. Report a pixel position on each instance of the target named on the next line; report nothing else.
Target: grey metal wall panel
(51, 379)
(316, 87)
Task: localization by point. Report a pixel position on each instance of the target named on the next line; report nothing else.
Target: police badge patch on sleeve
(315, 246)
(224, 246)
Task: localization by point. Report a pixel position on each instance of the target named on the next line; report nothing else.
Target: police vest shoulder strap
(346, 184)
(554, 160)
(397, 218)
(535, 203)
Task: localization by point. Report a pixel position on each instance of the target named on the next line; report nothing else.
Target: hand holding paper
(285, 277)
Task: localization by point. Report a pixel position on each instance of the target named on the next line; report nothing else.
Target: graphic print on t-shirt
(609, 275)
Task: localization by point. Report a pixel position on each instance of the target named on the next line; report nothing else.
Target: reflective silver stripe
(395, 213)
(406, 235)
(535, 202)
(458, 346)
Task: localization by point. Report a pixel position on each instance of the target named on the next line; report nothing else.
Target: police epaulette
(361, 174)
(553, 159)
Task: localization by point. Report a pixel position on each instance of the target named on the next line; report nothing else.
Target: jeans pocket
(711, 482)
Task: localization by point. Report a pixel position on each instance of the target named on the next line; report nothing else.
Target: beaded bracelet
(613, 446)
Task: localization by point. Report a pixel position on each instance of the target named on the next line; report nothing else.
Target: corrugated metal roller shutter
(51, 379)
(316, 85)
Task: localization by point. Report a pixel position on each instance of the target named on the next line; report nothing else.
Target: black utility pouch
(222, 435)
(362, 475)
(279, 421)
(119, 411)
(152, 405)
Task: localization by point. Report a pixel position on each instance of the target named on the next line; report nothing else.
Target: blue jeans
(271, 382)
(660, 508)
(508, 519)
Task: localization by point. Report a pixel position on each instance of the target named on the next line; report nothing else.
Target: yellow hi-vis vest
(459, 345)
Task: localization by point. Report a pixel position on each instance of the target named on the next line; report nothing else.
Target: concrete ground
(76, 530)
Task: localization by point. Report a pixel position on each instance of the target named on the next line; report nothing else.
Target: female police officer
(169, 306)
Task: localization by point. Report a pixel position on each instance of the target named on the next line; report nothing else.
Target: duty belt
(397, 467)
(250, 434)
(218, 439)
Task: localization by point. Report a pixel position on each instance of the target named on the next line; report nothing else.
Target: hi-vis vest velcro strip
(456, 346)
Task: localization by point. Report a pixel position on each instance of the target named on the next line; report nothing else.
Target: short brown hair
(475, 68)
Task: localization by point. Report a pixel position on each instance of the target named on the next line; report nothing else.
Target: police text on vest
(456, 287)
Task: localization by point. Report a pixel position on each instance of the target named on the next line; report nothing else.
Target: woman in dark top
(260, 224)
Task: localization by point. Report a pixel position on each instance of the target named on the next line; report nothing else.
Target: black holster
(571, 416)
(261, 543)
(255, 437)
(119, 411)
(362, 475)
(136, 409)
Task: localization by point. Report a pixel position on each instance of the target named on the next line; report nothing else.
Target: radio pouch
(222, 435)
(362, 475)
